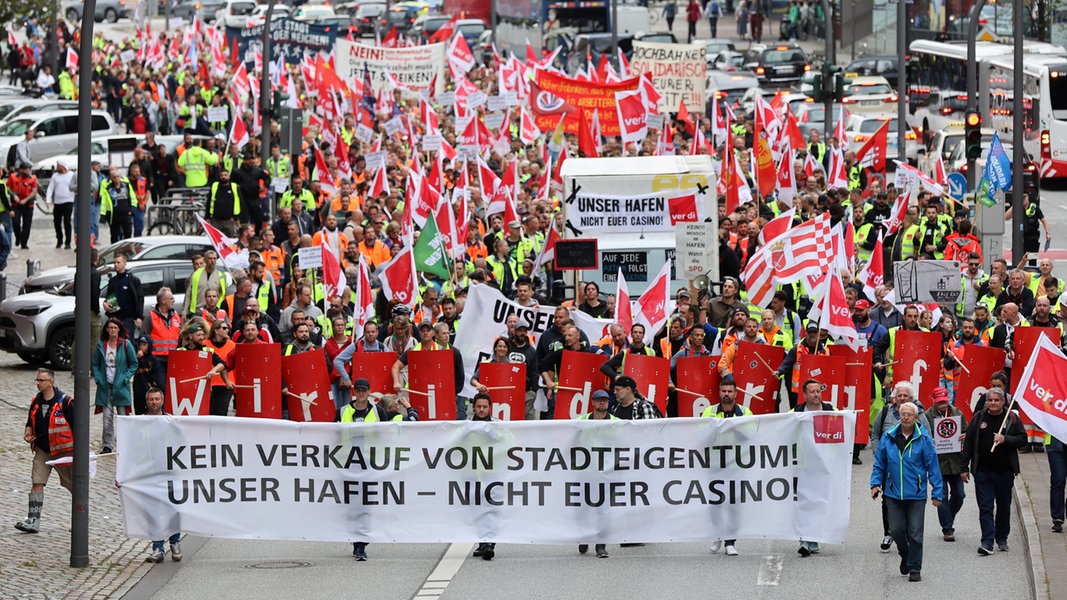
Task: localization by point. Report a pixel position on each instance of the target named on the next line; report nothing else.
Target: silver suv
(39, 326)
(111, 10)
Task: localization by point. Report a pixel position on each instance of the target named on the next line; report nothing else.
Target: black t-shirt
(624, 412)
(999, 460)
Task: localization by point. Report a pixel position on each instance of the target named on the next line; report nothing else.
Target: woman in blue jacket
(904, 465)
(114, 365)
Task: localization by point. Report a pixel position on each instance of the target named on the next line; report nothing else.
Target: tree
(17, 12)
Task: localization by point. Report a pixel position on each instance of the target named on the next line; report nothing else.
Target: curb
(1032, 537)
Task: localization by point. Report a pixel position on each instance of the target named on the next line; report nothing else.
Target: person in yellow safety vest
(232, 161)
(773, 334)
(729, 353)
(1037, 280)
(193, 163)
(501, 266)
(816, 149)
(885, 348)
(224, 204)
(117, 199)
(263, 287)
(932, 233)
(616, 365)
(202, 279)
(298, 193)
(908, 237)
(727, 408)
(788, 321)
(810, 345)
(857, 176)
(971, 279)
(398, 408)
(361, 410)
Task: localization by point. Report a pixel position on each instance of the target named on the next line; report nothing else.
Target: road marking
(770, 570)
(445, 571)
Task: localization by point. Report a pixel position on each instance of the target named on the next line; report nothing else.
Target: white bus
(1044, 108)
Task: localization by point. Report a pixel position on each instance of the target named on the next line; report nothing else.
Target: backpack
(12, 155)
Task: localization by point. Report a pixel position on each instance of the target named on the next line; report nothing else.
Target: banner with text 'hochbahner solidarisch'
(784, 476)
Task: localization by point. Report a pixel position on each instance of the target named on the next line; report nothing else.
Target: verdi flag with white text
(431, 256)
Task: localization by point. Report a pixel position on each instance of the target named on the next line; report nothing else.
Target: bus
(548, 24)
(937, 84)
(1044, 107)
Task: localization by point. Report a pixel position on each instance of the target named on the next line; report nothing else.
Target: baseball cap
(862, 305)
(425, 325)
(522, 324)
(940, 394)
(514, 224)
(361, 384)
(626, 381)
(683, 293)
(601, 395)
(812, 326)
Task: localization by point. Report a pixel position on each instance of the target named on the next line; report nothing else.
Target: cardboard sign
(754, 372)
(507, 388)
(258, 391)
(579, 375)
(946, 433)
(394, 126)
(981, 363)
(310, 257)
(858, 377)
(697, 383)
(496, 103)
(431, 142)
(679, 72)
(375, 367)
(652, 374)
(375, 160)
(918, 359)
(309, 395)
(432, 384)
(188, 394)
(697, 246)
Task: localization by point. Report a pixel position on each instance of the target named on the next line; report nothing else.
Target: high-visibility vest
(645, 350)
(60, 435)
(348, 414)
(715, 411)
(236, 198)
(141, 191)
(165, 332)
(223, 352)
(588, 417)
(305, 195)
(194, 286)
(281, 168)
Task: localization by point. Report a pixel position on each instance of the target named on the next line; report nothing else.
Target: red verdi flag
(188, 393)
(309, 395)
(918, 359)
(757, 385)
(258, 378)
(633, 118)
(697, 381)
(432, 384)
(507, 388)
(1042, 393)
(981, 362)
(652, 374)
(1025, 342)
(872, 154)
(376, 368)
(579, 376)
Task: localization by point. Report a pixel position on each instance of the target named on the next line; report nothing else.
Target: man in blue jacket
(904, 463)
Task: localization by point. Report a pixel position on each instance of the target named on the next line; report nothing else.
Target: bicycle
(175, 213)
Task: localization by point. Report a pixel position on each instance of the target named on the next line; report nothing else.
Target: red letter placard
(308, 381)
(918, 359)
(507, 388)
(257, 373)
(376, 367)
(652, 374)
(981, 363)
(757, 385)
(697, 381)
(432, 384)
(187, 393)
(579, 375)
(857, 391)
(832, 373)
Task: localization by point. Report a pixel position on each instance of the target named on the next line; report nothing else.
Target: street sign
(957, 186)
(985, 35)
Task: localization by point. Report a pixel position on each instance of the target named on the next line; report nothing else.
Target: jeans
(138, 222)
(22, 223)
(109, 423)
(9, 229)
(906, 527)
(121, 227)
(5, 243)
(61, 220)
(714, 24)
(994, 489)
(340, 397)
(174, 539)
(1057, 466)
(952, 502)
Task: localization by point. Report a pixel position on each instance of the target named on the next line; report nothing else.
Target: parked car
(860, 128)
(57, 132)
(109, 10)
(870, 95)
(156, 247)
(812, 115)
(15, 106)
(777, 64)
(187, 9)
(401, 17)
(311, 13)
(715, 46)
(39, 326)
(259, 13)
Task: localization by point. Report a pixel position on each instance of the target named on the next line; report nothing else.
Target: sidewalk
(1046, 550)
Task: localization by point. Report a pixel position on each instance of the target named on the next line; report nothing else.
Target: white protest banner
(496, 103)
(927, 281)
(946, 434)
(431, 142)
(415, 67)
(604, 213)
(485, 316)
(310, 257)
(375, 160)
(394, 126)
(679, 72)
(218, 114)
(782, 476)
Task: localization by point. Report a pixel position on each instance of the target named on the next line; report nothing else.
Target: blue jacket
(903, 474)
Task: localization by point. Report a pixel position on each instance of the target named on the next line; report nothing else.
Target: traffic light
(816, 87)
(973, 136)
(839, 87)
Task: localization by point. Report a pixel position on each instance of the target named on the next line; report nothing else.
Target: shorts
(41, 470)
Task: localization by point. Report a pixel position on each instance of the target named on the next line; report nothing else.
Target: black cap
(626, 381)
(812, 326)
(361, 384)
(425, 325)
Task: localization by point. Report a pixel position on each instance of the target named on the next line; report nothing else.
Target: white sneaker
(156, 556)
(176, 551)
(716, 546)
(731, 551)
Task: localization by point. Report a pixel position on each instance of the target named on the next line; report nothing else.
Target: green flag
(430, 253)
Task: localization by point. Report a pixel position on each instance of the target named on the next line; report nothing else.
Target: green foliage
(17, 12)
